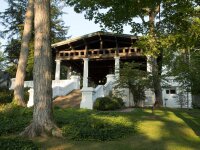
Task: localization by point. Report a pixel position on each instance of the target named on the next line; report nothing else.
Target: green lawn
(166, 129)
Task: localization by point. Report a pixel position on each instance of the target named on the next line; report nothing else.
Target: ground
(169, 129)
(165, 129)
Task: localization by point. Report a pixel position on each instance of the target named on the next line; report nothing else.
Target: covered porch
(96, 59)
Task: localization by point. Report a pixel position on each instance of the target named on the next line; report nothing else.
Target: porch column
(85, 72)
(57, 73)
(117, 66)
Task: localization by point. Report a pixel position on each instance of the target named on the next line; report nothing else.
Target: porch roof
(96, 40)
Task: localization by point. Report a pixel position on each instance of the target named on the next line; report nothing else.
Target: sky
(78, 25)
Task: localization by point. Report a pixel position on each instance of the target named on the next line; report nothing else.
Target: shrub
(119, 100)
(90, 125)
(17, 144)
(13, 119)
(6, 96)
(26, 94)
(107, 103)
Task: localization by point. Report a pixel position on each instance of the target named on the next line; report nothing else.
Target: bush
(90, 125)
(107, 103)
(14, 119)
(17, 144)
(26, 94)
(119, 100)
(6, 96)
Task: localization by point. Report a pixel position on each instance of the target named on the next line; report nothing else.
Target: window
(171, 91)
(167, 91)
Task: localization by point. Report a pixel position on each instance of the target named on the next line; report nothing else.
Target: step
(71, 100)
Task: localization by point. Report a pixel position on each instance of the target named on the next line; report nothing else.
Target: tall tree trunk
(42, 115)
(155, 66)
(21, 69)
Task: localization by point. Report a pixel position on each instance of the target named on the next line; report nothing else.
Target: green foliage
(16, 144)
(26, 94)
(2, 60)
(133, 77)
(13, 119)
(182, 100)
(6, 96)
(75, 124)
(90, 125)
(13, 17)
(108, 103)
(116, 14)
(13, 20)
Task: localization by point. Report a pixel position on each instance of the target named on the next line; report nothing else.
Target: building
(95, 59)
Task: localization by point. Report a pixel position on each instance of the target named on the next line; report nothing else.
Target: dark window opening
(173, 91)
(120, 51)
(100, 52)
(89, 53)
(126, 50)
(112, 51)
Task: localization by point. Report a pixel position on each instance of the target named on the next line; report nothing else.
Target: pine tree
(42, 115)
(21, 69)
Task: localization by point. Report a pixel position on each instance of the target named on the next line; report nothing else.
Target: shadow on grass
(164, 129)
(191, 117)
(78, 124)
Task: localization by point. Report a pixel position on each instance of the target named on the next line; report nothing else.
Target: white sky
(77, 23)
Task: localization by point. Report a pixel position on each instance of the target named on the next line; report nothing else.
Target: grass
(165, 129)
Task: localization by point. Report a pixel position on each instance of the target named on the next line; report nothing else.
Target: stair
(71, 100)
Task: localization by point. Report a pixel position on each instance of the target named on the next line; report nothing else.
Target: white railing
(98, 92)
(26, 84)
(108, 87)
(89, 94)
(62, 87)
(59, 87)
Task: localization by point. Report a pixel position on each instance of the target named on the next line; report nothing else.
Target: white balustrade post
(85, 72)
(110, 78)
(12, 86)
(57, 73)
(117, 66)
(87, 98)
(76, 79)
(31, 98)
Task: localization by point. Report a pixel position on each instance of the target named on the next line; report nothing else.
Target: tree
(13, 17)
(14, 26)
(21, 69)
(181, 25)
(42, 115)
(2, 59)
(133, 77)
